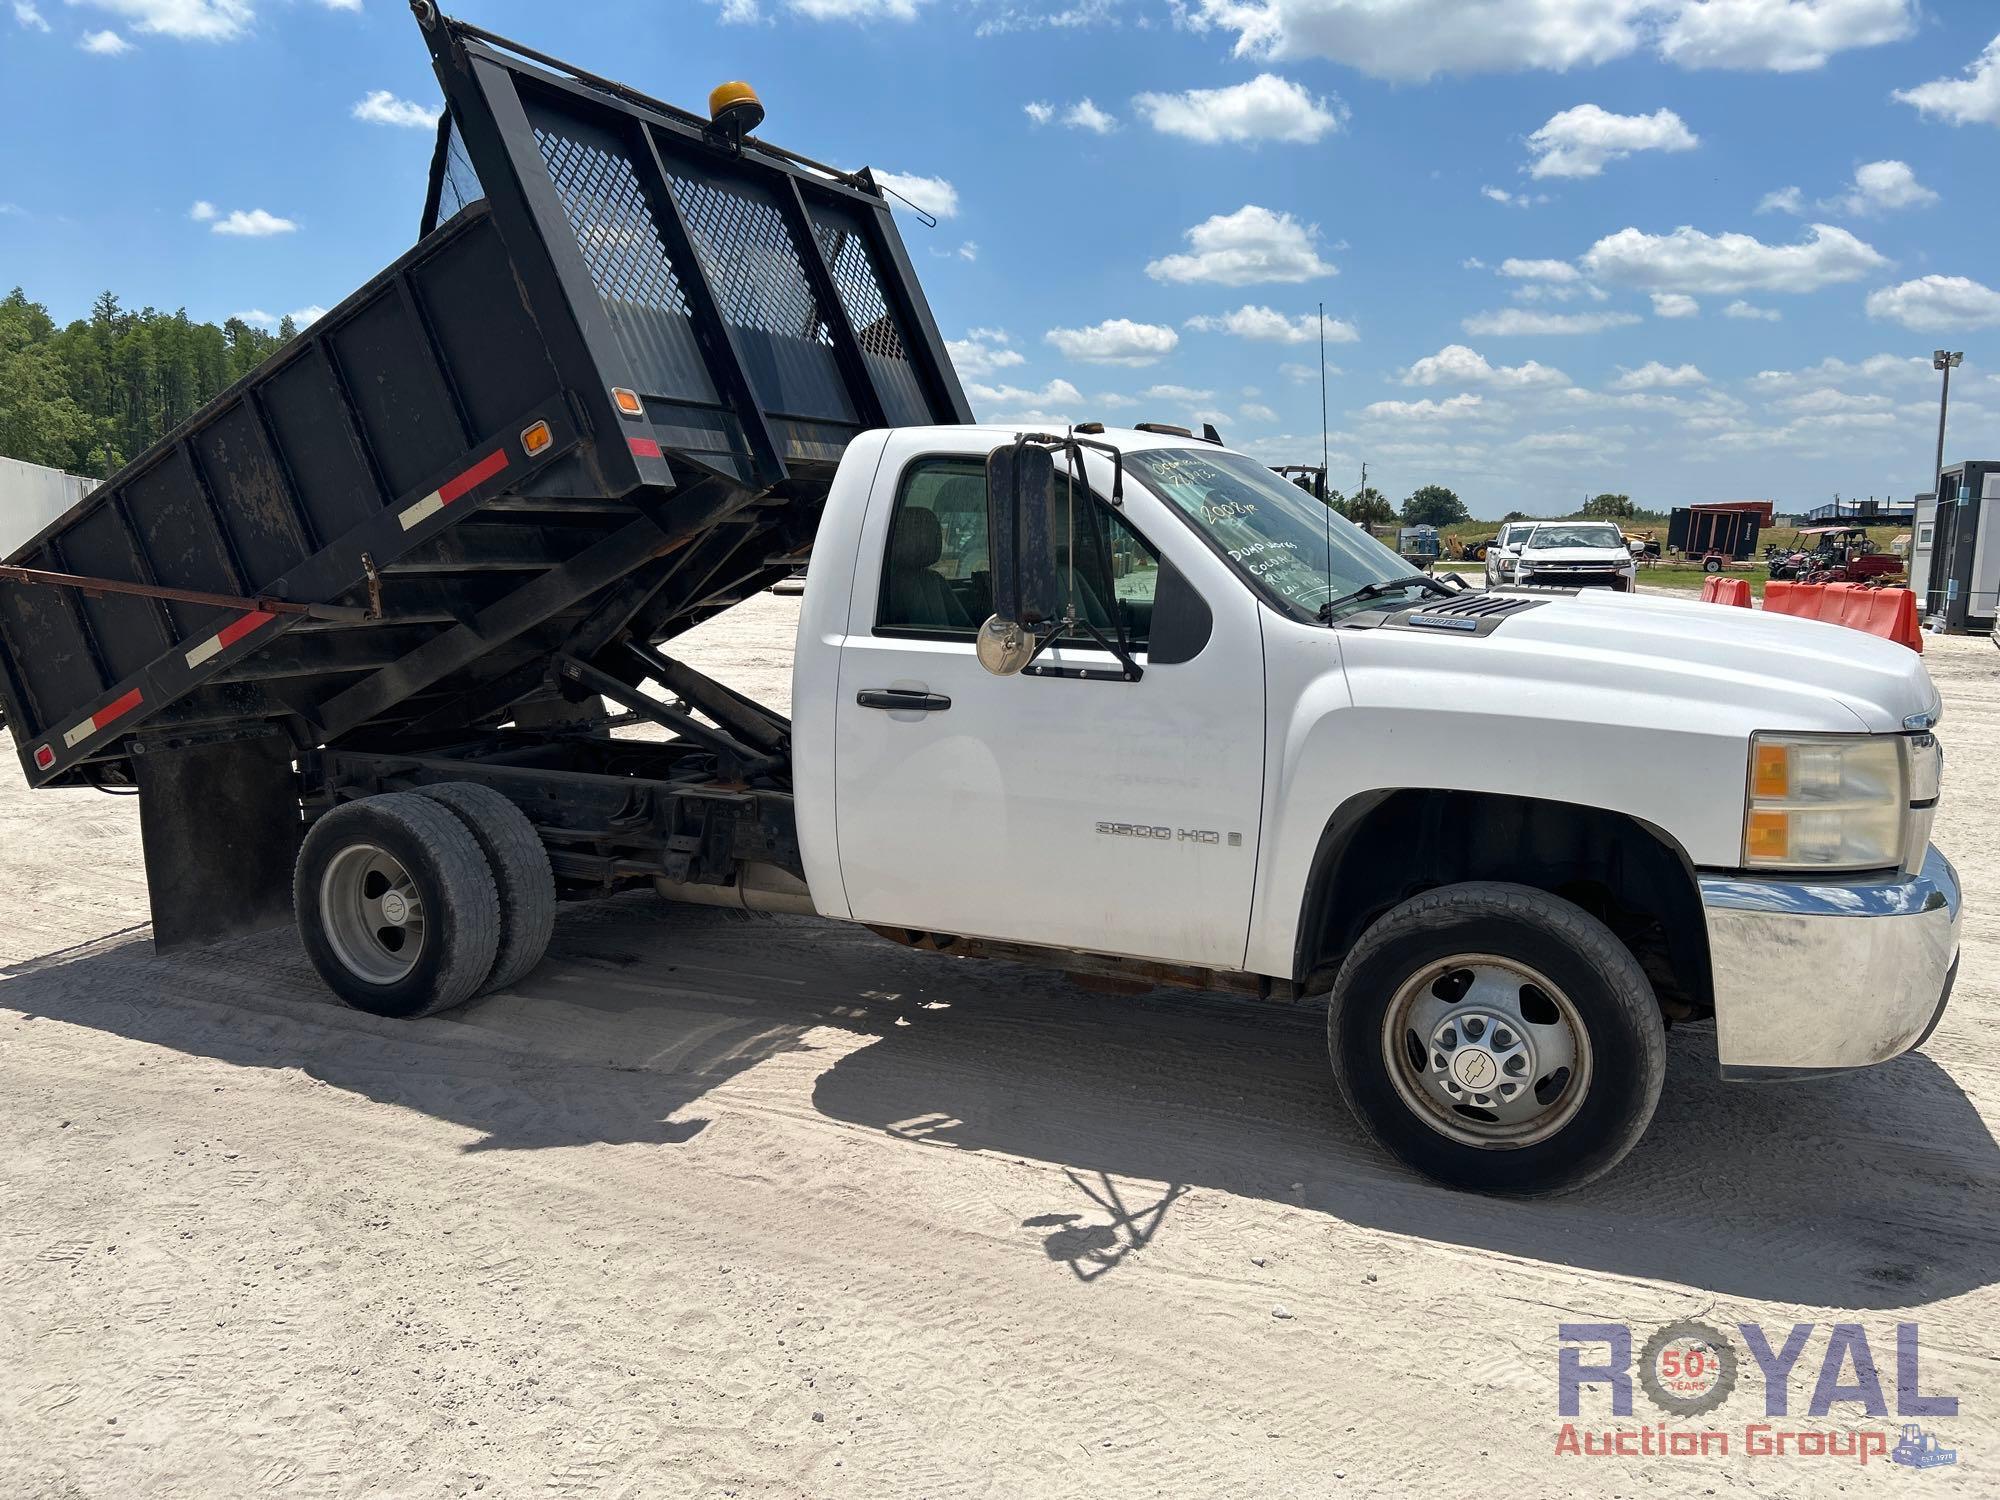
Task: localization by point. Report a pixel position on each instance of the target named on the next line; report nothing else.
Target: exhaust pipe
(756, 888)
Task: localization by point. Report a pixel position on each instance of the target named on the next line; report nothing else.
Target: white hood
(1789, 670)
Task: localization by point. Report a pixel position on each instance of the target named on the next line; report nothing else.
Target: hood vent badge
(1474, 613)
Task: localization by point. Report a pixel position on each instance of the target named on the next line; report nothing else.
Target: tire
(1711, 566)
(1552, 958)
(521, 873)
(356, 857)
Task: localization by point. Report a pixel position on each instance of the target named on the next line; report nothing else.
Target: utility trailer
(600, 400)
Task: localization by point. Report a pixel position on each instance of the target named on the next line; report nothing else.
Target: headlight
(1825, 802)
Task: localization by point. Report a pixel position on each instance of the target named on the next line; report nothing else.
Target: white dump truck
(1122, 702)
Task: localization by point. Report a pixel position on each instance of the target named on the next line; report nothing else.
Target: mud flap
(221, 826)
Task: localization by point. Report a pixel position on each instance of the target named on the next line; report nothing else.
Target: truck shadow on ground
(1873, 1190)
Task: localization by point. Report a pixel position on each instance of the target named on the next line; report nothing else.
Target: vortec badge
(1444, 622)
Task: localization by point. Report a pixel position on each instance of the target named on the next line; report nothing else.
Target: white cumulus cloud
(252, 223)
(1054, 403)
(1654, 376)
(1580, 141)
(1521, 320)
(1881, 186)
(1116, 341)
(1513, 200)
(27, 15)
(1751, 312)
(187, 20)
(1451, 409)
(1689, 260)
(983, 351)
(1937, 304)
(1269, 325)
(104, 43)
(1780, 36)
(1085, 115)
(1249, 246)
(1539, 270)
(1973, 99)
(1455, 364)
(380, 107)
(1417, 39)
(857, 10)
(1675, 305)
(934, 195)
(1267, 108)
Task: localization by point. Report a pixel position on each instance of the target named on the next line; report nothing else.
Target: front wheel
(1497, 1038)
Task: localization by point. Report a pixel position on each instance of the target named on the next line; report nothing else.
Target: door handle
(903, 698)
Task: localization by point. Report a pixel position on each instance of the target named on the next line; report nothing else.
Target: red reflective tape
(229, 635)
(644, 447)
(473, 477)
(116, 709)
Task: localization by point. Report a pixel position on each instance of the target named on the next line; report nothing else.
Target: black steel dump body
(388, 535)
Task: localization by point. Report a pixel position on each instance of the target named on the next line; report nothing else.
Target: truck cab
(1264, 753)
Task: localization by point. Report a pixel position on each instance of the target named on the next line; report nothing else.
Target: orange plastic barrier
(1715, 589)
(1889, 613)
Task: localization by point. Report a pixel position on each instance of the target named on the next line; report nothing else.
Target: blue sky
(1686, 249)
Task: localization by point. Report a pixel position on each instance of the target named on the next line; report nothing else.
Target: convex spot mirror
(1023, 525)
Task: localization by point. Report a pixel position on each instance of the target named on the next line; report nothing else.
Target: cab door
(1063, 807)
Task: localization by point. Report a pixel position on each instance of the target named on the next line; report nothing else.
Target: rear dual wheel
(412, 902)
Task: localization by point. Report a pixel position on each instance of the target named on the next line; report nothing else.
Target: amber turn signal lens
(627, 402)
(536, 438)
(1769, 835)
(1770, 775)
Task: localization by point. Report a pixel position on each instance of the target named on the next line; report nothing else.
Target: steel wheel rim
(372, 914)
(1487, 1051)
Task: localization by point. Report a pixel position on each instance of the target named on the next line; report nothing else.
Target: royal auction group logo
(1689, 1369)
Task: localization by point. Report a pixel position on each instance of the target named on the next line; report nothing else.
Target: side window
(936, 579)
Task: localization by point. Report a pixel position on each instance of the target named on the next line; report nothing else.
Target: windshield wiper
(1371, 590)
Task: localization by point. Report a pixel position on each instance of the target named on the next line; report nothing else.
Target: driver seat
(918, 595)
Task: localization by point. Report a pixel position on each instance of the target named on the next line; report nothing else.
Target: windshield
(1576, 536)
(1277, 535)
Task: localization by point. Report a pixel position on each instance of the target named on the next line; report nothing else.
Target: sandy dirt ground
(717, 1205)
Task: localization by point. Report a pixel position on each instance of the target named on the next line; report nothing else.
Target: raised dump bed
(601, 397)
(599, 400)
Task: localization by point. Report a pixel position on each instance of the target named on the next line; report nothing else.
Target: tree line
(89, 396)
(1436, 505)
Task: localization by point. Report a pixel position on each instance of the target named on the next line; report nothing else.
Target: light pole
(1944, 360)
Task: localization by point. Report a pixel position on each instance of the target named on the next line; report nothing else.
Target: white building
(31, 497)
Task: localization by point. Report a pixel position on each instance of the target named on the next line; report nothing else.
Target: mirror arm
(1133, 671)
(1123, 650)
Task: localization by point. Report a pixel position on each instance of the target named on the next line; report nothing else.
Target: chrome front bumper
(1816, 976)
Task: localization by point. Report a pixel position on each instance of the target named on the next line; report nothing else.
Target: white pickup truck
(1123, 702)
(1574, 554)
(1514, 836)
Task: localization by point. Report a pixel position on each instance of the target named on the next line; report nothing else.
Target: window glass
(937, 579)
(1575, 536)
(1281, 538)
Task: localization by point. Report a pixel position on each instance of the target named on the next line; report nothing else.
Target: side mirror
(1022, 527)
(1637, 549)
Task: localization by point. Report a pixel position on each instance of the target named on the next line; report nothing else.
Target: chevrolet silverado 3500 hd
(1122, 702)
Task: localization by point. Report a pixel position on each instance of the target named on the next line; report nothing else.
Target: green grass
(1691, 579)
